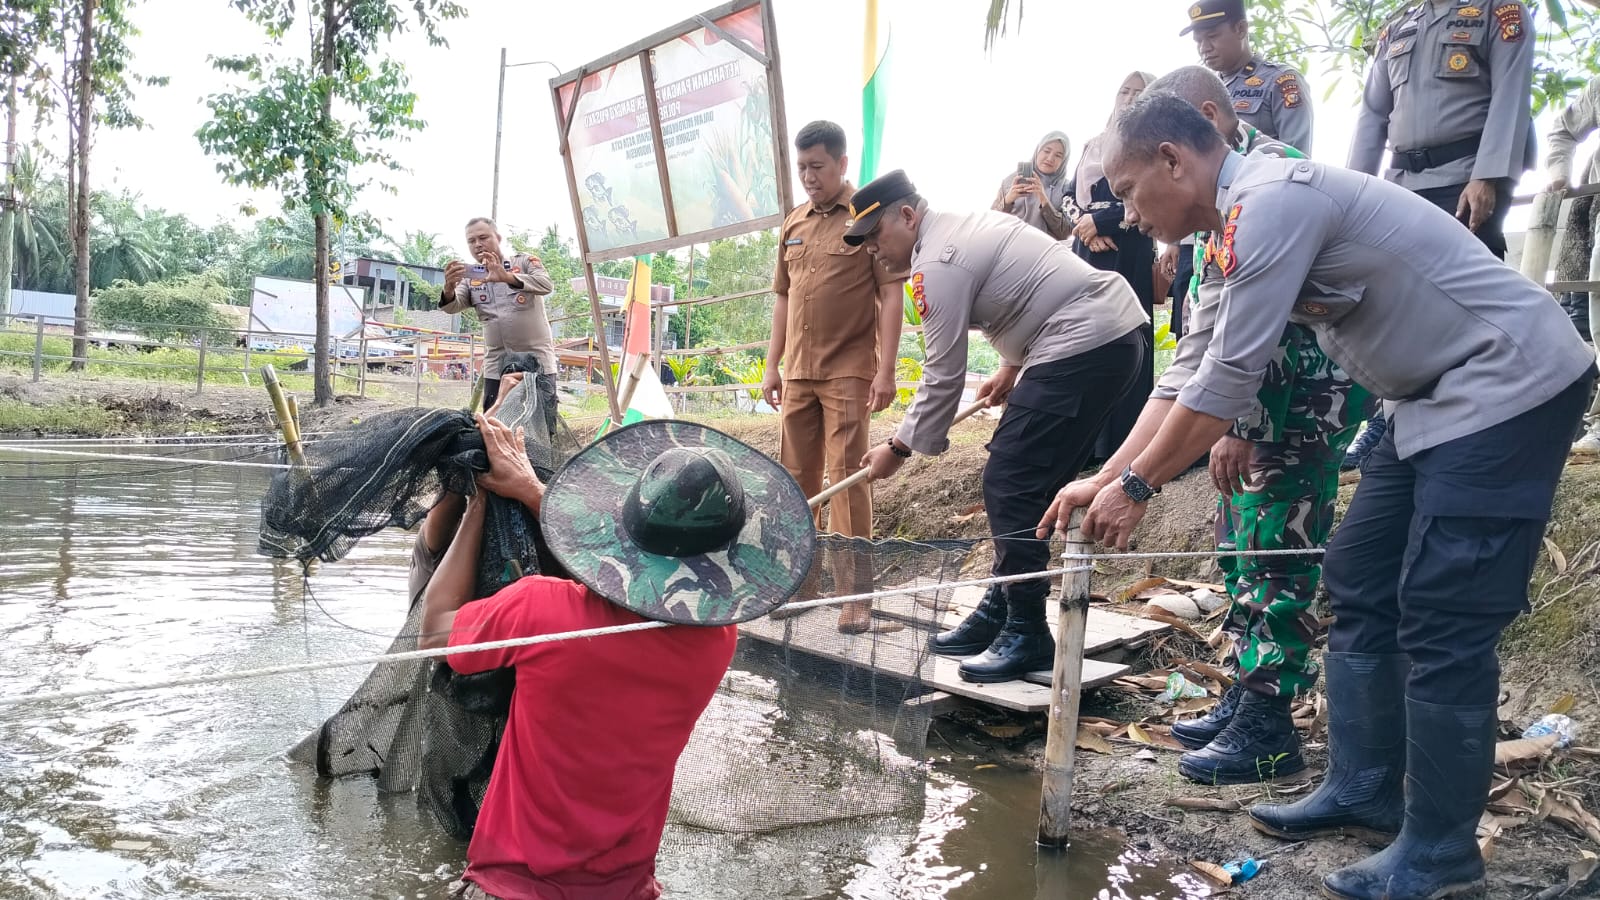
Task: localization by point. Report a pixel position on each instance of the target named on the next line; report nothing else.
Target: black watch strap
(1135, 487)
(895, 449)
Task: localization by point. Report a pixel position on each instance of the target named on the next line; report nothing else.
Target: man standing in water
(1434, 555)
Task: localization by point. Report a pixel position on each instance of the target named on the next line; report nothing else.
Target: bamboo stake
(285, 413)
(858, 477)
(630, 381)
(1066, 681)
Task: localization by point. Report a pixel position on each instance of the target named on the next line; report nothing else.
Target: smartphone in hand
(1024, 170)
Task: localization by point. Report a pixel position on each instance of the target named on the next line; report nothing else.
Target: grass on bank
(166, 364)
(17, 417)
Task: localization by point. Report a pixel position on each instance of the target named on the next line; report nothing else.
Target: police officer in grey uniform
(1433, 558)
(1449, 93)
(1070, 346)
(1270, 96)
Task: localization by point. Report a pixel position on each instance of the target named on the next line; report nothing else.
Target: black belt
(1434, 157)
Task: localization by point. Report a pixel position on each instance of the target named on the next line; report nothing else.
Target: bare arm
(440, 525)
(451, 587)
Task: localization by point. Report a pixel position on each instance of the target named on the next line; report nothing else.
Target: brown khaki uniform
(513, 315)
(830, 354)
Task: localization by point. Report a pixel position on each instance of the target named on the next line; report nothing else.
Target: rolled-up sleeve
(948, 294)
(1271, 237)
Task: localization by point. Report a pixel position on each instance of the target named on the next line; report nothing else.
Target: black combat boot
(1361, 794)
(977, 631)
(1449, 763)
(1196, 733)
(1260, 744)
(1024, 645)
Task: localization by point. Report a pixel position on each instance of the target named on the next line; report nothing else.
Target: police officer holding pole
(1070, 346)
(1433, 558)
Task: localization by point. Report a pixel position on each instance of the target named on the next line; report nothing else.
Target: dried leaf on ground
(1161, 615)
(1570, 814)
(1582, 869)
(1488, 830)
(1525, 750)
(1564, 705)
(1198, 704)
(1212, 804)
(1145, 755)
(1136, 732)
(968, 514)
(1212, 871)
(1132, 591)
(1196, 585)
(1557, 558)
(1087, 739)
(1212, 672)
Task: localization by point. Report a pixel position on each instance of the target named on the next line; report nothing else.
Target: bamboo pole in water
(1541, 235)
(1055, 800)
(281, 406)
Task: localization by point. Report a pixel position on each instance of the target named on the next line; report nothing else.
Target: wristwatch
(1137, 489)
(895, 449)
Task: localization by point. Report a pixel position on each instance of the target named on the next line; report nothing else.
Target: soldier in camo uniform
(1278, 476)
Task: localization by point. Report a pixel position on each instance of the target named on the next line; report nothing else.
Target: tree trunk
(323, 381)
(8, 217)
(80, 225)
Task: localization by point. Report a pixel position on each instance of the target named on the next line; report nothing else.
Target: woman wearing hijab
(1101, 238)
(1038, 198)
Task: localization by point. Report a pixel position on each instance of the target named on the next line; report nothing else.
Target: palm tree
(40, 248)
(995, 21)
(126, 243)
(420, 248)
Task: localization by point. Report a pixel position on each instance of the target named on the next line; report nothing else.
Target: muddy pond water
(114, 572)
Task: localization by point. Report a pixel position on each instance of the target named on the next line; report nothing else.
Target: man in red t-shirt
(680, 524)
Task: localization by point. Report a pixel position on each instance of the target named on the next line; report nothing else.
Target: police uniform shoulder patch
(919, 295)
(1510, 18)
(1398, 47)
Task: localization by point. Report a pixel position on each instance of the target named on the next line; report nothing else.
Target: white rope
(408, 655)
(1194, 554)
(152, 439)
(165, 445)
(134, 457)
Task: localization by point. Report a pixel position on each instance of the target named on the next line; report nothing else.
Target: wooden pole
(200, 379)
(38, 348)
(858, 477)
(617, 408)
(630, 381)
(1539, 241)
(1066, 680)
(285, 414)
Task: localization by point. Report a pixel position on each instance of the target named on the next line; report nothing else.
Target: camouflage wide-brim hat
(680, 523)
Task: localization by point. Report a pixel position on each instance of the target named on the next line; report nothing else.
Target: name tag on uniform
(793, 242)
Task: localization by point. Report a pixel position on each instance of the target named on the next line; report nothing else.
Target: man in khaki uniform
(509, 298)
(836, 330)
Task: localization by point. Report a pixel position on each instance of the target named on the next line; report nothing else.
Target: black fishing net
(416, 726)
(812, 749)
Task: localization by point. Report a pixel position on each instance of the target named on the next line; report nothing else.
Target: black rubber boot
(977, 631)
(1024, 645)
(1361, 794)
(1449, 762)
(1260, 744)
(1196, 733)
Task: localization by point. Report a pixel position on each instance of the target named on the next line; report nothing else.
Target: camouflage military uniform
(1310, 411)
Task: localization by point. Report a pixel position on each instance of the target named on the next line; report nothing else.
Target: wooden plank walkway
(901, 650)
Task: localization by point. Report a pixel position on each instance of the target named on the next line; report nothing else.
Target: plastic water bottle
(1242, 870)
(1559, 725)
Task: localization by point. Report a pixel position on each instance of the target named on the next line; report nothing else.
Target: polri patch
(1458, 62)
(1510, 19)
(1289, 87)
(1227, 259)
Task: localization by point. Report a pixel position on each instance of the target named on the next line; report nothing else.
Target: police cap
(872, 201)
(1213, 12)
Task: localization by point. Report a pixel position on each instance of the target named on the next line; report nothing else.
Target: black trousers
(1042, 442)
(1492, 232)
(1434, 555)
(1179, 292)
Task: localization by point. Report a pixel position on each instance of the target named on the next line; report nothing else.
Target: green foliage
(160, 310)
(906, 369)
(747, 370)
(1346, 32)
(17, 417)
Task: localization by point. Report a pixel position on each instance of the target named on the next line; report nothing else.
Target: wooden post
(38, 348)
(474, 391)
(1055, 800)
(630, 381)
(617, 408)
(200, 379)
(1539, 241)
(294, 412)
(285, 414)
(361, 374)
(416, 372)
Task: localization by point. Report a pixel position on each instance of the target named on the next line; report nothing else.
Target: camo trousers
(1311, 411)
